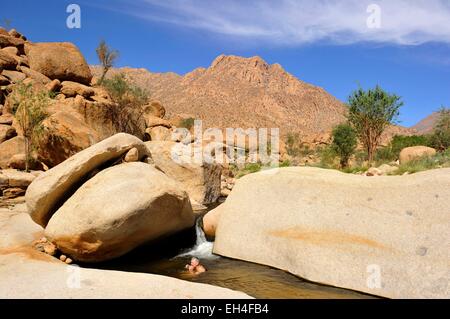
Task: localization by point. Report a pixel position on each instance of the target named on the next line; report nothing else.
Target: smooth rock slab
(49, 189)
(117, 210)
(24, 277)
(27, 273)
(344, 230)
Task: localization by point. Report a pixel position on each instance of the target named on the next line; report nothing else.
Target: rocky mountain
(426, 125)
(245, 92)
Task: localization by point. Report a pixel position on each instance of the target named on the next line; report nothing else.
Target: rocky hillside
(245, 92)
(426, 125)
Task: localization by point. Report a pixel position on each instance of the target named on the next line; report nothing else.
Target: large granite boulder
(62, 61)
(409, 154)
(200, 180)
(385, 236)
(49, 190)
(117, 210)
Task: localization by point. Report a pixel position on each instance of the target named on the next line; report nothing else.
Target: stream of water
(256, 280)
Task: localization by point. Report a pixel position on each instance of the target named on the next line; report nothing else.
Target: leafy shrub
(440, 160)
(328, 157)
(187, 123)
(344, 143)
(129, 99)
(246, 169)
(30, 110)
(440, 138)
(399, 142)
(295, 147)
(285, 163)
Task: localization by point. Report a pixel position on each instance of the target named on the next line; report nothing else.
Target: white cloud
(296, 22)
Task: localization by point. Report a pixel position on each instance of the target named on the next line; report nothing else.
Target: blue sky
(323, 42)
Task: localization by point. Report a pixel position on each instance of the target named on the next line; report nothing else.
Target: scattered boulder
(6, 132)
(16, 34)
(339, 229)
(9, 148)
(71, 89)
(132, 155)
(62, 61)
(117, 210)
(14, 76)
(225, 192)
(386, 169)
(200, 180)
(152, 121)
(43, 245)
(66, 134)
(158, 133)
(373, 171)
(11, 51)
(415, 152)
(13, 192)
(156, 109)
(36, 76)
(7, 62)
(53, 86)
(51, 188)
(18, 161)
(9, 41)
(17, 178)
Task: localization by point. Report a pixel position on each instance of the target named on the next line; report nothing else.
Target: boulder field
(108, 199)
(387, 236)
(80, 111)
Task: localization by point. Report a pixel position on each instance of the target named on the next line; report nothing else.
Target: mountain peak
(226, 60)
(246, 92)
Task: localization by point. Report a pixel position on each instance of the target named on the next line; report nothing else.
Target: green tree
(30, 111)
(440, 138)
(344, 143)
(370, 113)
(107, 57)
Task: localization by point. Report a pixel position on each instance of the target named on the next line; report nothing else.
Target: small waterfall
(202, 248)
